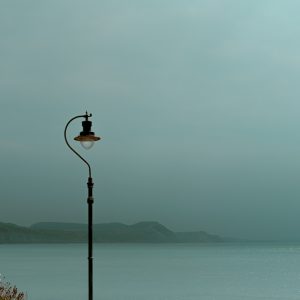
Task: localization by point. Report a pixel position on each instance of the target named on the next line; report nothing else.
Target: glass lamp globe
(87, 144)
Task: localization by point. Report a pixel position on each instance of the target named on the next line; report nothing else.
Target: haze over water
(157, 271)
(197, 103)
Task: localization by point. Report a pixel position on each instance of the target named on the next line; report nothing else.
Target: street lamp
(87, 139)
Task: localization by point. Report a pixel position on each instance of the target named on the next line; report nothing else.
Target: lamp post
(87, 139)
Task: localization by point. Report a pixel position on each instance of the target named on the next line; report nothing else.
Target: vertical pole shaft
(90, 202)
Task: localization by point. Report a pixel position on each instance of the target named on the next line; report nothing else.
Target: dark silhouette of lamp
(87, 139)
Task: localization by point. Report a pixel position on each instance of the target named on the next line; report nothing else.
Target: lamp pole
(87, 139)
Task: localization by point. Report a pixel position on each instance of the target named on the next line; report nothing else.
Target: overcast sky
(197, 104)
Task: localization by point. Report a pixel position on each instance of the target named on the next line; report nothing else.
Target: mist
(196, 103)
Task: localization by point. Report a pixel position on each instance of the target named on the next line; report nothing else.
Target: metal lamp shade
(87, 138)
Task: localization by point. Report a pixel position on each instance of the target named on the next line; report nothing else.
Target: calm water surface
(156, 272)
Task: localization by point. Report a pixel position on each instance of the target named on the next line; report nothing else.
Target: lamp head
(86, 137)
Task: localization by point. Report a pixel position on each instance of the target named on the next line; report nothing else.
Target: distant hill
(11, 233)
(142, 232)
(116, 232)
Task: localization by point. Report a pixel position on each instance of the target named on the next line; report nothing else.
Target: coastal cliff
(142, 232)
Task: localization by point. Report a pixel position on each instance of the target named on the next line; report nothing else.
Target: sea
(220, 271)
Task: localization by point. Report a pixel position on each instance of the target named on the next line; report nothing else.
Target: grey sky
(197, 103)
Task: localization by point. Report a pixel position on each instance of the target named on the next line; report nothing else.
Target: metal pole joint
(90, 200)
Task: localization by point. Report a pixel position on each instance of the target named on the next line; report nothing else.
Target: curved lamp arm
(66, 140)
